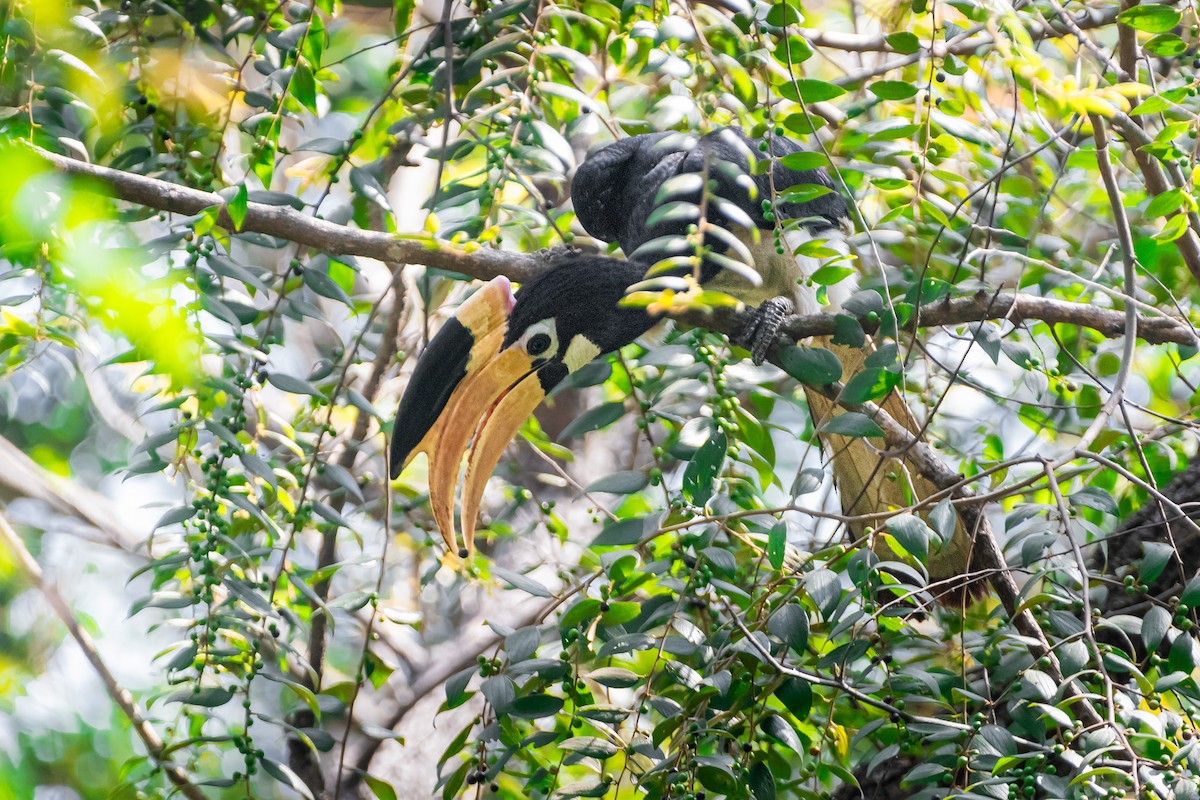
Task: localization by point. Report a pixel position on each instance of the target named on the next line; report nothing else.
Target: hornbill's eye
(538, 344)
(541, 339)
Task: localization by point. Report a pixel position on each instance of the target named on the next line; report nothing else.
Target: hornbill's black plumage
(489, 367)
(616, 190)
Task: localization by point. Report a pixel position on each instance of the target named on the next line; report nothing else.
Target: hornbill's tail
(870, 482)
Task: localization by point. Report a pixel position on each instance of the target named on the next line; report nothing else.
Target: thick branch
(119, 694)
(287, 223)
(1012, 306)
(484, 264)
(24, 477)
(1157, 182)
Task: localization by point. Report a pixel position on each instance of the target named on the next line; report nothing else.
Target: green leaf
(380, 788)
(1191, 592)
(944, 519)
(1183, 655)
(831, 275)
(174, 516)
(535, 706)
(1166, 45)
(1156, 556)
(207, 697)
(590, 787)
(614, 677)
(716, 776)
(593, 419)
(922, 772)
(1094, 498)
(912, 533)
(778, 728)
(803, 193)
(454, 782)
(1154, 104)
(585, 609)
(797, 696)
(319, 281)
(623, 532)
(304, 86)
(854, 425)
(790, 51)
(1150, 18)
(237, 207)
(824, 588)
(522, 582)
(291, 384)
(1176, 226)
(762, 782)
(365, 185)
(1155, 625)
(813, 91)
(590, 746)
(284, 775)
(892, 90)
(872, 383)
(789, 622)
(314, 42)
(903, 42)
(500, 691)
(703, 469)
(848, 331)
(812, 365)
(1169, 201)
(777, 544)
(626, 482)
(621, 612)
(804, 161)
(720, 558)
(782, 14)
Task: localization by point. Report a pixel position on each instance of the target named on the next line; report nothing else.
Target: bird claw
(763, 326)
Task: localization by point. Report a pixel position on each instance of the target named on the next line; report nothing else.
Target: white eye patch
(540, 340)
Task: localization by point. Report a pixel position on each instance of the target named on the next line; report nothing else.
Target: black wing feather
(616, 189)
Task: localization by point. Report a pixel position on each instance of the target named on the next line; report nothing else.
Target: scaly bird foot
(763, 326)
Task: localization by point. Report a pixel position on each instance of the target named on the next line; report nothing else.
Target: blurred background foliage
(194, 415)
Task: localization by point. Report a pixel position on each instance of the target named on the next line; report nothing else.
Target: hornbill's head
(487, 369)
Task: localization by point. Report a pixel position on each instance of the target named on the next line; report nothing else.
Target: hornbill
(655, 195)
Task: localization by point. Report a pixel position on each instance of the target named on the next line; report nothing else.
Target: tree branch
(1014, 307)
(284, 222)
(976, 37)
(119, 694)
(24, 477)
(969, 41)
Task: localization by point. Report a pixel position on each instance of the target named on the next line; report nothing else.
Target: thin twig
(1125, 237)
